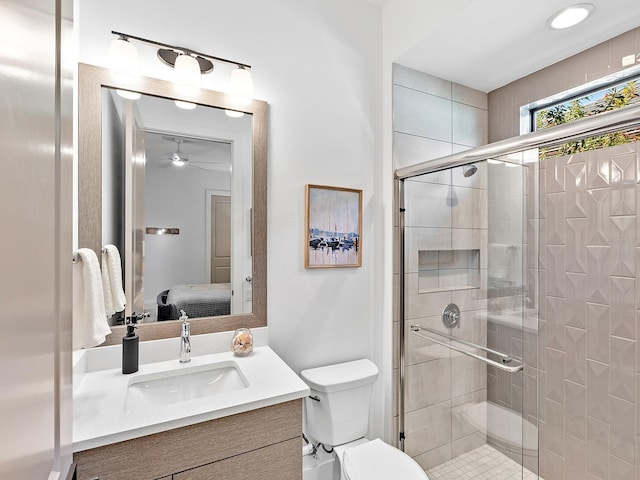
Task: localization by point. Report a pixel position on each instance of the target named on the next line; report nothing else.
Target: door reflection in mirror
(188, 170)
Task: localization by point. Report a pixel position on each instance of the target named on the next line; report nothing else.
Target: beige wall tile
(598, 448)
(420, 350)
(575, 410)
(555, 427)
(468, 374)
(471, 210)
(598, 332)
(419, 305)
(597, 393)
(622, 431)
(426, 205)
(463, 422)
(470, 96)
(622, 376)
(434, 457)
(419, 241)
(470, 125)
(427, 384)
(468, 443)
(412, 149)
(555, 376)
(422, 114)
(621, 470)
(428, 428)
(408, 77)
(575, 458)
(598, 62)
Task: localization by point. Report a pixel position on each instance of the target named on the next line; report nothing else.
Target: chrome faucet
(185, 339)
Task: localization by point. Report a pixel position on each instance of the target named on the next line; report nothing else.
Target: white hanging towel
(90, 325)
(114, 299)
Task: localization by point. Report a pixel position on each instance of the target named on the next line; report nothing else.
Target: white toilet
(338, 416)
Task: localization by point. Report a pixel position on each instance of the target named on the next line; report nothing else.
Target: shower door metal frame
(586, 127)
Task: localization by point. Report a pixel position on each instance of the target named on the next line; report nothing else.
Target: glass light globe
(241, 86)
(187, 74)
(123, 61)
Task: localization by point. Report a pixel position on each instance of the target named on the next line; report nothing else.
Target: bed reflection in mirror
(179, 210)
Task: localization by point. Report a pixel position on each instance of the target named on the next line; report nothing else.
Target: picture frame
(333, 227)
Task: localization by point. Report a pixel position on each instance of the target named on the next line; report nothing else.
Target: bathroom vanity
(263, 443)
(218, 416)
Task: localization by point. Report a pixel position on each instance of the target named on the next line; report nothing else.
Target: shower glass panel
(470, 375)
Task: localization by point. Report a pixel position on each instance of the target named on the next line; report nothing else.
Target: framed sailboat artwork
(333, 227)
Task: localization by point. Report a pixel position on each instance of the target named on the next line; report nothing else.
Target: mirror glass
(183, 179)
(182, 194)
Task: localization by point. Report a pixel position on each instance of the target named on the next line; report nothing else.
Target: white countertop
(100, 415)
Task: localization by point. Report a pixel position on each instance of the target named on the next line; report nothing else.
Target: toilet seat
(376, 460)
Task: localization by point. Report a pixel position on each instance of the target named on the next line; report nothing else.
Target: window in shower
(613, 96)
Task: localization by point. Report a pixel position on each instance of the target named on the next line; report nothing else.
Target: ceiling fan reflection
(180, 159)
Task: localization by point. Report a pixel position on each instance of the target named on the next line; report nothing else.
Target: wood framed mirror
(93, 81)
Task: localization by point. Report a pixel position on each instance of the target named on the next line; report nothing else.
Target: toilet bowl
(337, 414)
(376, 460)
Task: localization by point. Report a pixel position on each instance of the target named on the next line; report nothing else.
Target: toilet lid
(376, 460)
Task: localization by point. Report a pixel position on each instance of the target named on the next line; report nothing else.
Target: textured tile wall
(602, 60)
(594, 291)
(589, 382)
(511, 317)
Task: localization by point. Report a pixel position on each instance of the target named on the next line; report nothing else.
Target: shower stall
(517, 340)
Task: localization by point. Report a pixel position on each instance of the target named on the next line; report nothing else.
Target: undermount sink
(183, 384)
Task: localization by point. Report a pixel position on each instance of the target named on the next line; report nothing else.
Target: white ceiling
(489, 43)
(165, 123)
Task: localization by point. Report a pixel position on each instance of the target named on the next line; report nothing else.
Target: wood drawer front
(282, 461)
(161, 454)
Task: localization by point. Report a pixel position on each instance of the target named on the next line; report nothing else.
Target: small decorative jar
(242, 343)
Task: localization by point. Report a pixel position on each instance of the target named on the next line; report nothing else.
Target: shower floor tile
(483, 463)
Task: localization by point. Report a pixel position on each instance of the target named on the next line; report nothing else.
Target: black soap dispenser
(130, 347)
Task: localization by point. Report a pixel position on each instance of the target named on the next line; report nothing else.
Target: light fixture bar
(181, 49)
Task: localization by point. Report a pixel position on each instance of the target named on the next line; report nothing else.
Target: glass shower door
(469, 345)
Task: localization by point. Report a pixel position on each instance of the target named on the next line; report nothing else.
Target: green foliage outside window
(614, 98)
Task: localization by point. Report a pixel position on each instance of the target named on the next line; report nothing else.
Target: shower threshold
(482, 463)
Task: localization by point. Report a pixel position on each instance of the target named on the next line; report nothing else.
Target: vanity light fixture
(241, 85)
(123, 60)
(189, 65)
(570, 16)
(187, 78)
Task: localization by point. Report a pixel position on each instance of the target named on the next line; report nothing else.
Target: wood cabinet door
(179, 450)
(282, 461)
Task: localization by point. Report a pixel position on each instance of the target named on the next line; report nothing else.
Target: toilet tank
(341, 413)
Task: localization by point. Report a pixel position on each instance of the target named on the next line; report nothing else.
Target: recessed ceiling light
(570, 16)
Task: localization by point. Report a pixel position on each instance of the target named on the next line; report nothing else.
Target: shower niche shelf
(448, 270)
